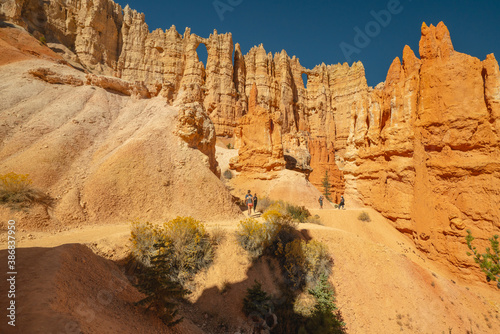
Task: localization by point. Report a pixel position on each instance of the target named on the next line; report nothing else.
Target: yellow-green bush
(192, 250)
(144, 237)
(304, 304)
(304, 262)
(272, 215)
(16, 192)
(183, 238)
(255, 237)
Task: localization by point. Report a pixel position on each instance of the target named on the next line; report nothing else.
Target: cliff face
(425, 150)
(421, 148)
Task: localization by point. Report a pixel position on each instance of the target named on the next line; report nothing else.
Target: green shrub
(228, 174)
(364, 216)
(489, 262)
(162, 294)
(43, 40)
(326, 318)
(299, 213)
(256, 300)
(17, 193)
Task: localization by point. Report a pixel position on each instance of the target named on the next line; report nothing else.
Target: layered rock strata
(259, 138)
(424, 151)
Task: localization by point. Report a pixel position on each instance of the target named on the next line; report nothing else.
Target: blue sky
(329, 31)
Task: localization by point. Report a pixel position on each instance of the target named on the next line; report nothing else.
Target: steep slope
(103, 155)
(68, 289)
(383, 283)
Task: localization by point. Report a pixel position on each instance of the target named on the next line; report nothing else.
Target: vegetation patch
(168, 257)
(17, 192)
(228, 174)
(489, 262)
(306, 303)
(364, 217)
(188, 246)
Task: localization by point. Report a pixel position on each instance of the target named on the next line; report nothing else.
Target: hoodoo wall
(422, 148)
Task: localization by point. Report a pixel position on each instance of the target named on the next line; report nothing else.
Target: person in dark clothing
(342, 202)
(255, 199)
(320, 200)
(249, 202)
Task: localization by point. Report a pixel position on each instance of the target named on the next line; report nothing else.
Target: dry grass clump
(364, 216)
(273, 210)
(17, 193)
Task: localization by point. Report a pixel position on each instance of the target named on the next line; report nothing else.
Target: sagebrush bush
(364, 216)
(255, 237)
(304, 304)
(299, 213)
(190, 248)
(144, 237)
(305, 262)
(265, 203)
(17, 192)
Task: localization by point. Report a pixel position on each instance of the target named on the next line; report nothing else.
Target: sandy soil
(383, 283)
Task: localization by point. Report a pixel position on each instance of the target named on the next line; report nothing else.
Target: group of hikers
(251, 202)
(340, 206)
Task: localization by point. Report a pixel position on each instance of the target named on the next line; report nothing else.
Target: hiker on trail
(341, 204)
(255, 199)
(249, 202)
(320, 200)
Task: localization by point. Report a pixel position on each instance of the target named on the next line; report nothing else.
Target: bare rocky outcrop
(424, 151)
(259, 141)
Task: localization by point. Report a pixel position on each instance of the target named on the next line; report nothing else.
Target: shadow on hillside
(222, 306)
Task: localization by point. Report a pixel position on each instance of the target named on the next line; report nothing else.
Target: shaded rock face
(424, 151)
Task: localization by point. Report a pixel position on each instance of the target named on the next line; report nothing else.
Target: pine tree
(326, 317)
(161, 292)
(326, 186)
(256, 300)
(489, 262)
